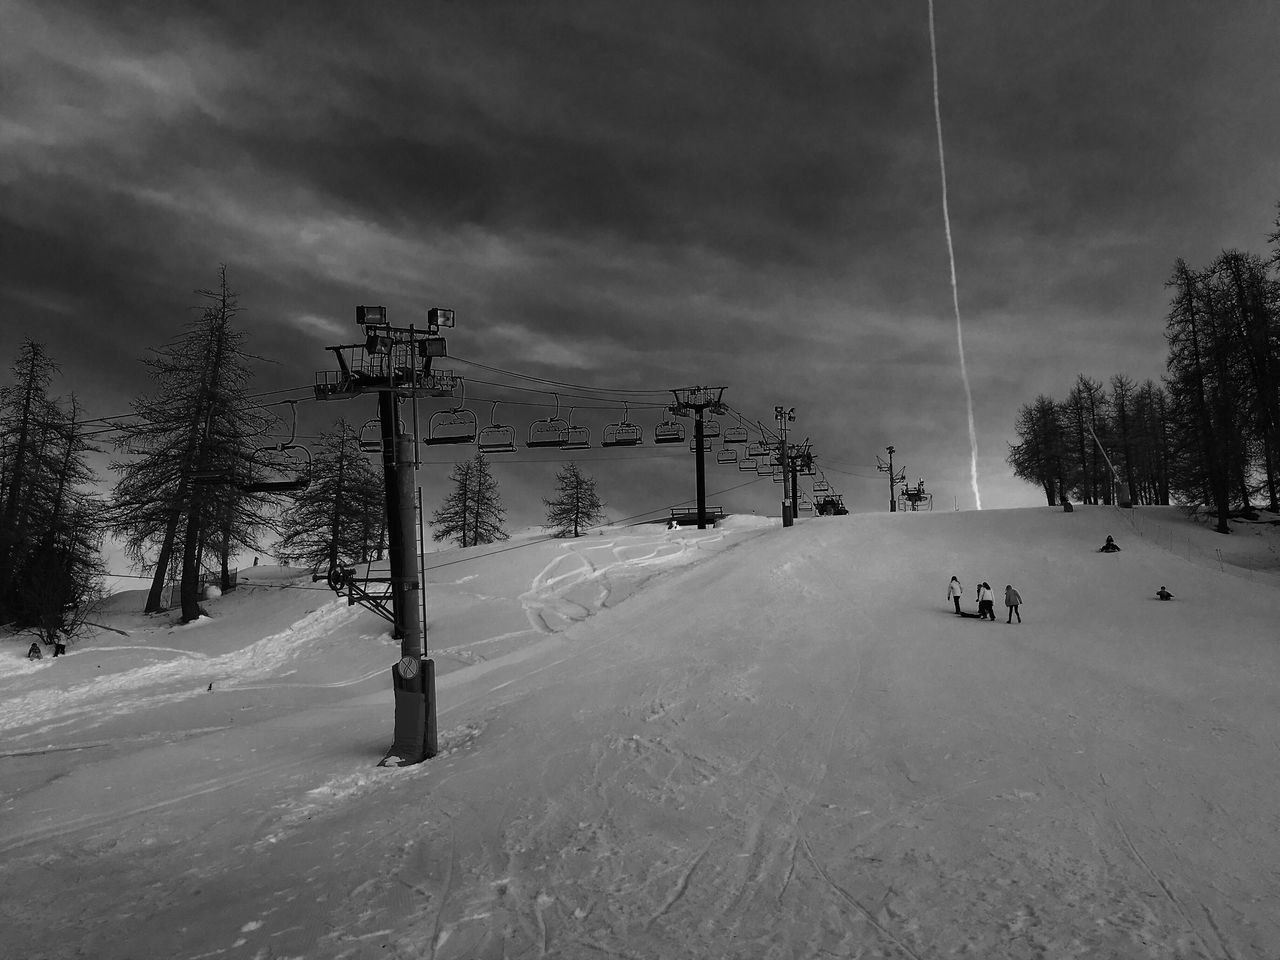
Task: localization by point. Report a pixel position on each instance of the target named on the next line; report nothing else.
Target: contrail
(951, 253)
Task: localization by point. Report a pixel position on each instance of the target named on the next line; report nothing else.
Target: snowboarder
(1164, 594)
(955, 592)
(1012, 600)
(33, 652)
(1109, 546)
(986, 602)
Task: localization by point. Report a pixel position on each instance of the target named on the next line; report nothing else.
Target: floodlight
(371, 314)
(438, 317)
(432, 347)
(375, 344)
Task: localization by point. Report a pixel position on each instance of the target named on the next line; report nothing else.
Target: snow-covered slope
(750, 742)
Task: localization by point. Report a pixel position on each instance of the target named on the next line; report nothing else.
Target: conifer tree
(576, 505)
(472, 513)
(50, 547)
(341, 516)
(1039, 455)
(197, 426)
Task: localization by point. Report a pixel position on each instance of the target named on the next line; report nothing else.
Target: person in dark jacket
(1109, 546)
(33, 652)
(1012, 600)
(1164, 594)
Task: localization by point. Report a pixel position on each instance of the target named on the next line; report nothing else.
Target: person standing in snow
(1012, 600)
(986, 602)
(1164, 594)
(955, 592)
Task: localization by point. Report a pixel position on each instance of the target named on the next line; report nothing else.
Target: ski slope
(747, 742)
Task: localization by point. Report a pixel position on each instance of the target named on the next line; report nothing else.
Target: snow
(745, 742)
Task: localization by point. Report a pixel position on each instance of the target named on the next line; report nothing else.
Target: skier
(1164, 594)
(1109, 546)
(955, 592)
(986, 602)
(33, 652)
(1012, 600)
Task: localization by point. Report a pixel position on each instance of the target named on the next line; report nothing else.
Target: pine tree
(1039, 454)
(26, 416)
(577, 504)
(472, 513)
(198, 425)
(50, 550)
(1200, 396)
(341, 516)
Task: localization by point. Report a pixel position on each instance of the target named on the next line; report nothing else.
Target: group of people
(986, 600)
(33, 651)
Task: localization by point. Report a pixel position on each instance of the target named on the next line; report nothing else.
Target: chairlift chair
(552, 431)
(757, 449)
(735, 434)
(456, 425)
(764, 468)
(576, 437)
(301, 478)
(496, 437)
(706, 445)
(711, 427)
(371, 437)
(451, 426)
(300, 481)
(624, 433)
(821, 486)
(746, 463)
(726, 455)
(669, 431)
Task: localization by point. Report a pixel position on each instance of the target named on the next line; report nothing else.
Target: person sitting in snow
(1164, 594)
(955, 592)
(33, 652)
(1109, 546)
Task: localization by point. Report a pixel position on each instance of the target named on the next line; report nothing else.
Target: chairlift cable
(558, 383)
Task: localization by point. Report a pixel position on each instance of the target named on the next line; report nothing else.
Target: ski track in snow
(101, 698)
(588, 575)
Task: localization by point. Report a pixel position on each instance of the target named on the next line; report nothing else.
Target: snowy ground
(748, 742)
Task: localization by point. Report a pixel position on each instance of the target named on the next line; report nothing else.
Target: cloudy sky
(640, 196)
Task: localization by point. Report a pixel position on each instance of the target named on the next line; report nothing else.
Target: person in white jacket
(986, 602)
(955, 592)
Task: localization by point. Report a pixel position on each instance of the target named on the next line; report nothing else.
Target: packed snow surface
(747, 742)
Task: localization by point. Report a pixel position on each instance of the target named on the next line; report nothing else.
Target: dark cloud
(642, 195)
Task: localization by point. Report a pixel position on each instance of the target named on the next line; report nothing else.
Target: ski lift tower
(894, 478)
(692, 401)
(395, 363)
(785, 415)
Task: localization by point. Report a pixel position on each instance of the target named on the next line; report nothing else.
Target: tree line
(193, 484)
(1207, 434)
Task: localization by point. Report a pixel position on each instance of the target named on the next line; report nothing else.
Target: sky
(639, 197)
